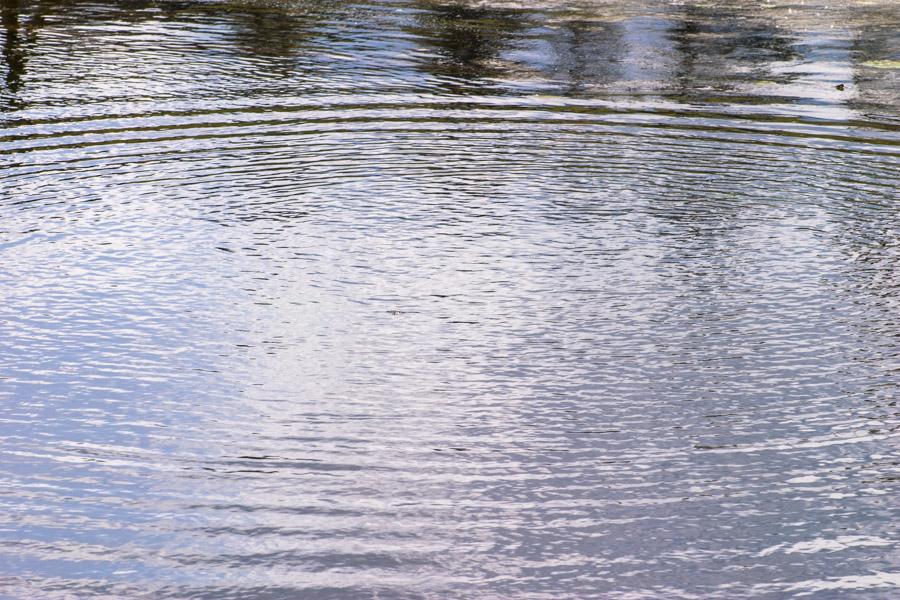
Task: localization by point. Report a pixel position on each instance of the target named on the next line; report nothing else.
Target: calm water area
(423, 299)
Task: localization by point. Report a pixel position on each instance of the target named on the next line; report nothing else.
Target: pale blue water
(449, 300)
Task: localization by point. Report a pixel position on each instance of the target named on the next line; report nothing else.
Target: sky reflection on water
(428, 299)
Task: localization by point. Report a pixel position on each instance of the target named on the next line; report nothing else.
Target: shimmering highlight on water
(422, 299)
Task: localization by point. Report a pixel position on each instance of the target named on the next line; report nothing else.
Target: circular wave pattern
(399, 301)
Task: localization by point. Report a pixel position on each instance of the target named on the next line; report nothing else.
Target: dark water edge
(420, 299)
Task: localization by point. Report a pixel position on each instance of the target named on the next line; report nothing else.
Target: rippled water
(421, 299)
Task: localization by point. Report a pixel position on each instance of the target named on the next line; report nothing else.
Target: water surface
(421, 299)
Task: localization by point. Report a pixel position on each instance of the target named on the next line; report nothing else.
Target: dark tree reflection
(280, 31)
(467, 39)
(721, 49)
(19, 32)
